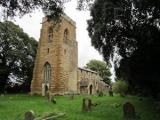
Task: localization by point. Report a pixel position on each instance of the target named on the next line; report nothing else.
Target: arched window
(47, 72)
(50, 34)
(66, 34)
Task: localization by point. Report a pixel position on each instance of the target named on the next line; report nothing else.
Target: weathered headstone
(129, 110)
(86, 105)
(29, 115)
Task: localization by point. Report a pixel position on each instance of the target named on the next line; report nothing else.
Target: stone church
(56, 65)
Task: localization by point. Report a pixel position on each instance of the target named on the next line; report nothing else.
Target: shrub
(120, 87)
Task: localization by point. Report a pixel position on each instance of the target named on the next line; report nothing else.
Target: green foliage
(109, 108)
(84, 4)
(133, 27)
(17, 54)
(51, 8)
(120, 87)
(100, 67)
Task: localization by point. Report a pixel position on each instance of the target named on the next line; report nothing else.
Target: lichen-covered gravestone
(86, 105)
(129, 110)
(29, 115)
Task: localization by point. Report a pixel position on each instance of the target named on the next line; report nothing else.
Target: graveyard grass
(13, 107)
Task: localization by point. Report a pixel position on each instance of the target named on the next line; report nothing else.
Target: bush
(120, 87)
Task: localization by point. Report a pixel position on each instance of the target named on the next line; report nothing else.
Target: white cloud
(31, 23)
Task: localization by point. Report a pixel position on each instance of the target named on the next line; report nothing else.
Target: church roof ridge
(88, 70)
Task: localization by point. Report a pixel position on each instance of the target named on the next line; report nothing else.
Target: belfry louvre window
(50, 34)
(66, 34)
(47, 72)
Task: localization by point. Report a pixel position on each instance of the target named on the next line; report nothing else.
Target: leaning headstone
(129, 110)
(29, 115)
(86, 105)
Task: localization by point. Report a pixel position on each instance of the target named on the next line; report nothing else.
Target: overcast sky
(31, 24)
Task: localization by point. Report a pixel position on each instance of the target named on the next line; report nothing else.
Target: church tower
(56, 61)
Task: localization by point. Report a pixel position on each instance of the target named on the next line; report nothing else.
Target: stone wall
(87, 81)
(57, 60)
(60, 54)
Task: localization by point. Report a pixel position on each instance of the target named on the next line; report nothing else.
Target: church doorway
(45, 88)
(90, 89)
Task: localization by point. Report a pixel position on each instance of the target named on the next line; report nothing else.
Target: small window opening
(50, 34)
(66, 33)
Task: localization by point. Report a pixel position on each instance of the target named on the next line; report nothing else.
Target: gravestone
(29, 115)
(86, 105)
(129, 110)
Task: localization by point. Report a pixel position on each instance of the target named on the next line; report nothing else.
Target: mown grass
(13, 107)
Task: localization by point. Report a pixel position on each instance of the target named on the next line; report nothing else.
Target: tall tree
(51, 8)
(17, 54)
(133, 27)
(100, 67)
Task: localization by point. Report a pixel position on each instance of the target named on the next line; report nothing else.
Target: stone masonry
(56, 65)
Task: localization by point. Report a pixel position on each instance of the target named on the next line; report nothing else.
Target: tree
(120, 87)
(17, 54)
(100, 67)
(133, 27)
(51, 8)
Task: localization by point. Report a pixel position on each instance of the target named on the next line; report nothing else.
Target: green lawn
(13, 107)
